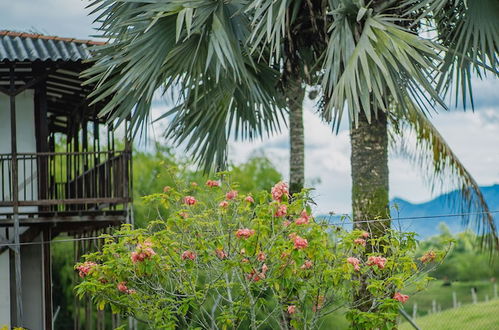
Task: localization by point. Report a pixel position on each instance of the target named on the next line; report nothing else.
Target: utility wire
(347, 221)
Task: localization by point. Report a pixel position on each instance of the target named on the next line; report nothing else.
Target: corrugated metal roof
(16, 46)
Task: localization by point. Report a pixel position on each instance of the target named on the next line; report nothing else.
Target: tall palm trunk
(369, 162)
(295, 94)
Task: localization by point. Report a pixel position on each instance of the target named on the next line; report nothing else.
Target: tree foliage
(217, 258)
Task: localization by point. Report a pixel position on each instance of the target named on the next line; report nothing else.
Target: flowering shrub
(218, 258)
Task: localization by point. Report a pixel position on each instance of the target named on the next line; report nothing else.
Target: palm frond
(443, 167)
(378, 65)
(197, 47)
(469, 30)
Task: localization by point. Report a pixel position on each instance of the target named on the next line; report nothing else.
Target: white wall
(4, 287)
(31, 259)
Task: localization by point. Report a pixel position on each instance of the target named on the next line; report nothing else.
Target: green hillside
(483, 316)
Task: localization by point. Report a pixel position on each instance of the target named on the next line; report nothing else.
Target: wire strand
(347, 221)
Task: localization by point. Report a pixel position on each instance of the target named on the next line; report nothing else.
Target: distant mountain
(424, 216)
(446, 204)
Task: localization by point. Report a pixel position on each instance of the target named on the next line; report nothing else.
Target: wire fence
(345, 221)
(455, 305)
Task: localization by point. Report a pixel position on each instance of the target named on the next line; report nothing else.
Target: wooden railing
(60, 181)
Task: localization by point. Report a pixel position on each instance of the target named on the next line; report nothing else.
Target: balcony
(51, 185)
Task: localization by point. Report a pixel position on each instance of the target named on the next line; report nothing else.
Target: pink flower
(85, 268)
(364, 234)
(221, 253)
(249, 199)
(303, 219)
(194, 184)
(354, 262)
(307, 264)
(244, 233)
(143, 251)
(378, 261)
(400, 297)
(360, 241)
(279, 190)
(122, 287)
(291, 309)
(428, 257)
(281, 210)
(223, 204)
(265, 268)
(300, 243)
(188, 255)
(212, 183)
(166, 189)
(245, 260)
(286, 223)
(254, 276)
(231, 194)
(189, 200)
(319, 304)
(183, 214)
(261, 256)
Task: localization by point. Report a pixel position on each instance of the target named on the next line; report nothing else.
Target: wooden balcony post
(15, 200)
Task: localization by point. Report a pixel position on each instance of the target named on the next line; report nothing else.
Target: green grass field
(443, 295)
(482, 316)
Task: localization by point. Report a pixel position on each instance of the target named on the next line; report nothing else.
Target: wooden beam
(15, 197)
(47, 277)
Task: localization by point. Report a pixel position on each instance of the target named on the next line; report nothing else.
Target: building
(61, 168)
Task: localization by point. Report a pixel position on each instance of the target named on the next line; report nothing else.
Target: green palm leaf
(381, 64)
(434, 155)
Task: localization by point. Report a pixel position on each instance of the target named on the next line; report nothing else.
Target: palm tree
(382, 61)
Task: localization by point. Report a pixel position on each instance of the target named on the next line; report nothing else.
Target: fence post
(473, 295)
(486, 298)
(433, 306)
(454, 299)
(495, 290)
(414, 310)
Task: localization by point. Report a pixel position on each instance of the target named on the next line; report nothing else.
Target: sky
(474, 136)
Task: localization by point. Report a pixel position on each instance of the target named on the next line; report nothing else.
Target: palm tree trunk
(295, 94)
(369, 162)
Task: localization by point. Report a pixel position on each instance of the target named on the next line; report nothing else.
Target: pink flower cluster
(188, 255)
(376, 261)
(400, 297)
(299, 242)
(223, 204)
(354, 262)
(257, 276)
(428, 257)
(282, 210)
(142, 252)
(244, 233)
(319, 304)
(231, 194)
(359, 241)
(279, 190)
(220, 253)
(249, 199)
(291, 309)
(303, 219)
(123, 288)
(261, 256)
(85, 268)
(212, 183)
(307, 264)
(189, 200)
